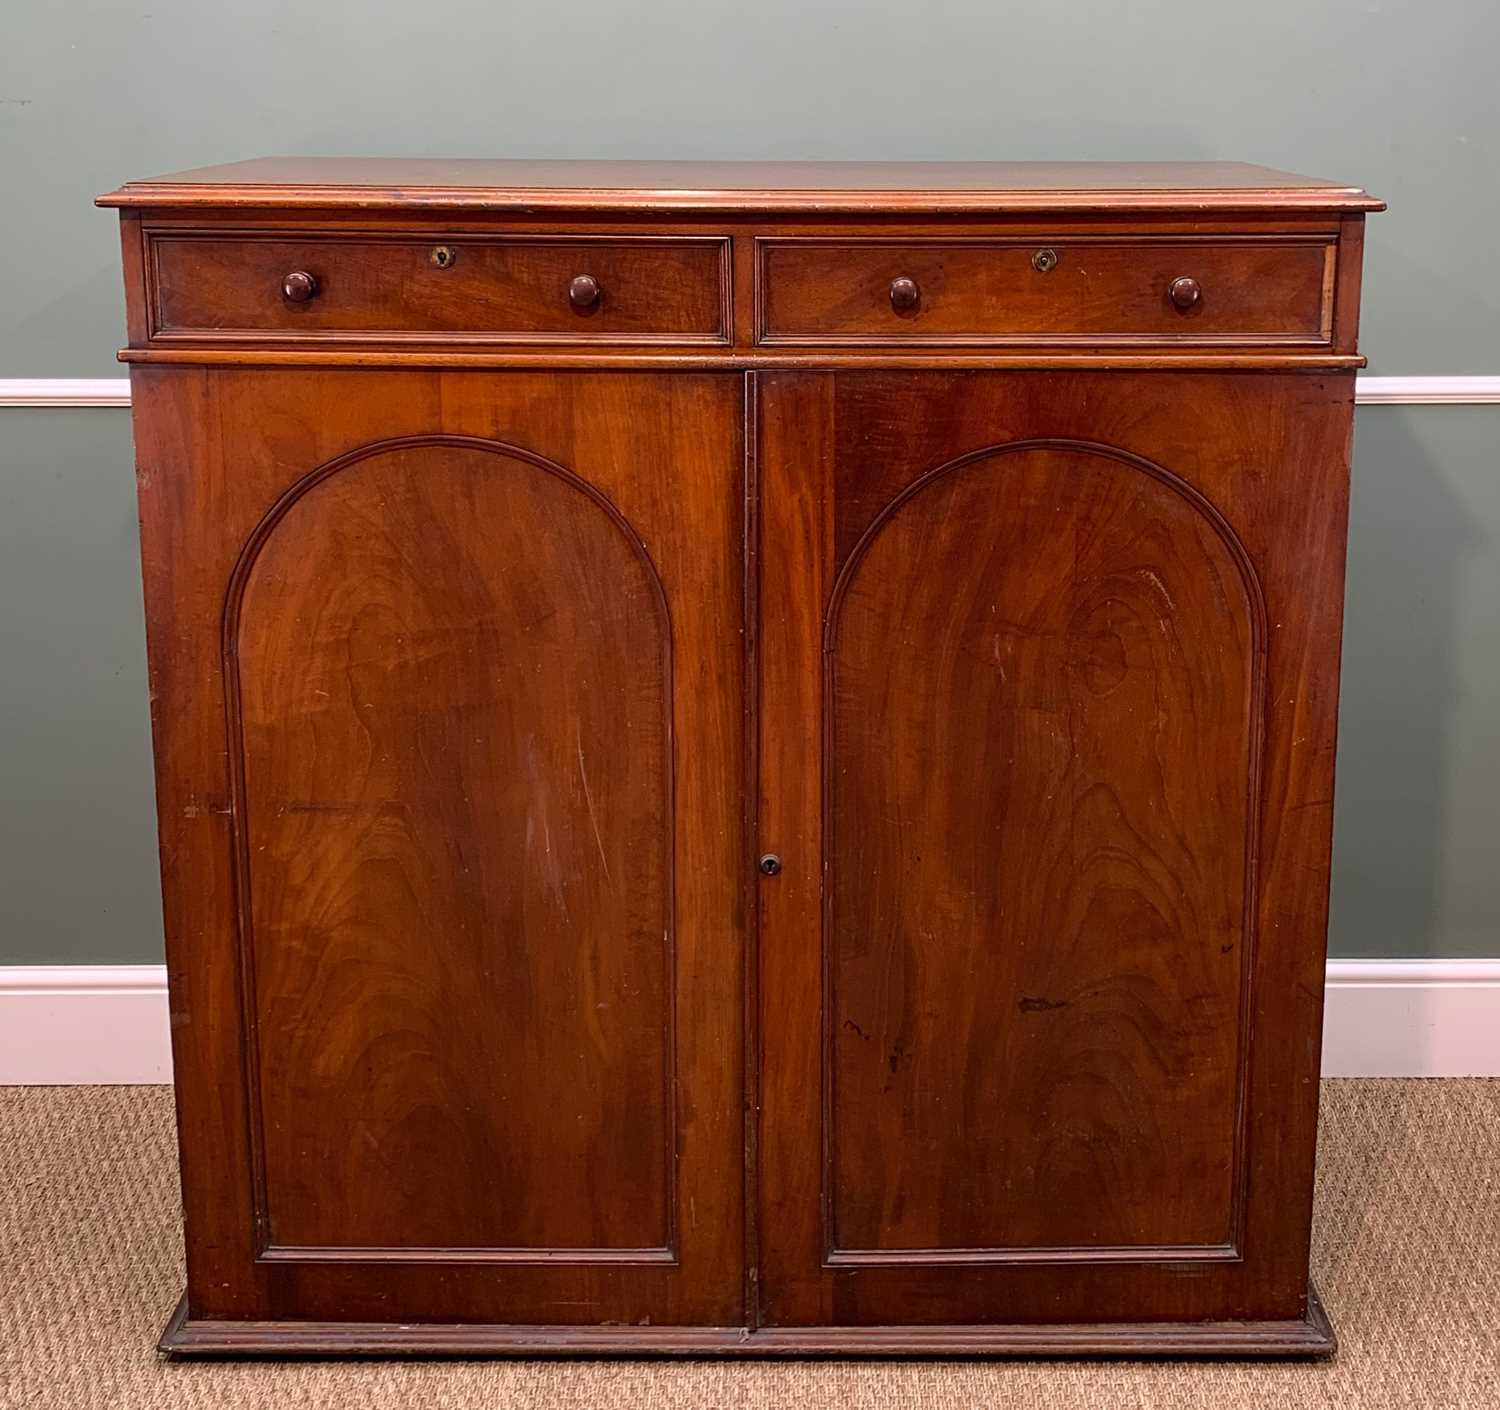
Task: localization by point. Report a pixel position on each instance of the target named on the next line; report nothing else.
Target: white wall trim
(1426, 391)
(65, 1024)
(65, 391)
(1369, 391)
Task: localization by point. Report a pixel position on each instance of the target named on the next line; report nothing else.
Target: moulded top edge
(901, 188)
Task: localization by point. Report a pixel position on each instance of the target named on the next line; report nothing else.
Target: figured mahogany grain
(1042, 712)
(457, 850)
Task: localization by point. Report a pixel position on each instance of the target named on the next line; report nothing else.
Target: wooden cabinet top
(972, 188)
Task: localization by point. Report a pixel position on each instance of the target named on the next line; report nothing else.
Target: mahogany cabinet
(744, 753)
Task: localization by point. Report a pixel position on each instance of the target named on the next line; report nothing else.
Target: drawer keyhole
(1044, 261)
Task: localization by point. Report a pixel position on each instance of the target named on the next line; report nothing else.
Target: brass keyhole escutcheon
(443, 256)
(770, 864)
(1044, 261)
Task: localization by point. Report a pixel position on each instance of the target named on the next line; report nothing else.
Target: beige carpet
(1407, 1253)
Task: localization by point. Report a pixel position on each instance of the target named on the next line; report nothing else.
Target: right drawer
(1259, 289)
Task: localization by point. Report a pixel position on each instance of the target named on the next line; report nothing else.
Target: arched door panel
(451, 680)
(1040, 748)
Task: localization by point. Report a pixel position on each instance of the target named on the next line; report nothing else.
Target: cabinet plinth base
(1312, 1335)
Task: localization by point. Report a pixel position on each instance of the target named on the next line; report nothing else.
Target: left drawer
(442, 288)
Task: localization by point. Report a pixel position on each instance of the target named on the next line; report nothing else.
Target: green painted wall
(77, 819)
(1399, 98)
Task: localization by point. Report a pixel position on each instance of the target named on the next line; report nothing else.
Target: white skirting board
(1412, 1018)
(66, 1024)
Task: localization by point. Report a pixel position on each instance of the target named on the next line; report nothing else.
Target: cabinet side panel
(188, 545)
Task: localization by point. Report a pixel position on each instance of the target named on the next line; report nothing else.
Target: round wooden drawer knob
(1184, 293)
(584, 291)
(904, 293)
(299, 286)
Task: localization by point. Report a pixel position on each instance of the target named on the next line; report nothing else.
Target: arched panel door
(478, 698)
(1014, 935)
